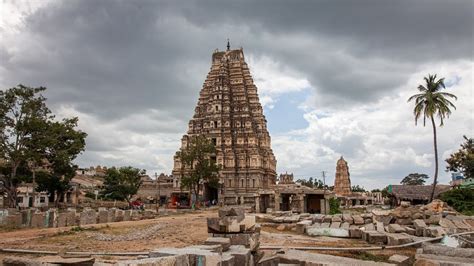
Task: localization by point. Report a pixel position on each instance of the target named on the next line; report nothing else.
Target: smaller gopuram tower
(342, 182)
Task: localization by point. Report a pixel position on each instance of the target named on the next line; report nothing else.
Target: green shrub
(334, 204)
(461, 199)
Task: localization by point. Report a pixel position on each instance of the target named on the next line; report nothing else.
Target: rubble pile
(399, 226)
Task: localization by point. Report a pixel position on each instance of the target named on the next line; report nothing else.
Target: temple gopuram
(229, 113)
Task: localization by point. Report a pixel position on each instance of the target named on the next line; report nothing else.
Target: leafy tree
(463, 159)
(30, 138)
(358, 188)
(334, 204)
(414, 179)
(461, 199)
(122, 183)
(198, 166)
(312, 183)
(431, 101)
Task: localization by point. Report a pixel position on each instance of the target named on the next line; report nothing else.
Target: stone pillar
(326, 202)
(302, 203)
(242, 200)
(357, 202)
(277, 201)
(257, 204)
(322, 202)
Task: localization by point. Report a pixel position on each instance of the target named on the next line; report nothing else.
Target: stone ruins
(229, 113)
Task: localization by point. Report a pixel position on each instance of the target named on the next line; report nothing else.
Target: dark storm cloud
(115, 58)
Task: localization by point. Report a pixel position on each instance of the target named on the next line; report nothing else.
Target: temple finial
(228, 45)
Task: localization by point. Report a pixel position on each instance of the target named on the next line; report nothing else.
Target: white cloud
(380, 141)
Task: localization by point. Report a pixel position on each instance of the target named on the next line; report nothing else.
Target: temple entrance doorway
(313, 203)
(211, 194)
(264, 202)
(286, 200)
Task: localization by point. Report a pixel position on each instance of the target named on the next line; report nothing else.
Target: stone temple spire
(342, 182)
(228, 45)
(229, 113)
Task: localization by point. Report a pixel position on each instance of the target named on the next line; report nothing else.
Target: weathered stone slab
(327, 219)
(127, 215)
(395, 228)
(334, 232)
(38, 220)
(71, 218)
(358, 220)
(347, 218)
(420, 226)
(88, 216)
(448, 251)
(223, 241)
(345, 225)
(325, 225)
(62, 218)
(369, 227)
(241, 254)
(434, 231)
(103, 215)
(355, 232)
(336, 218)
(398, 239)
(249, 240)
(301, 226)
(318, 218)
(374, 237)
(380, 227)
(335, 225)
(399, 260)
(111, 215)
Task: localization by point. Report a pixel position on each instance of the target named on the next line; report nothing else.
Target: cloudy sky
(333, 76)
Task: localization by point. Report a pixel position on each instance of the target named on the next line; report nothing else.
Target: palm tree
(428, 103)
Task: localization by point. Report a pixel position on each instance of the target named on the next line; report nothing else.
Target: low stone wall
(32, 218)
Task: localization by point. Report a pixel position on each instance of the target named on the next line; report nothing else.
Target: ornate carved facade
(229, 113)
(342, 182)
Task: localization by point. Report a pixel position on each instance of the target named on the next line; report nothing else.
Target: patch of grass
(364, 255)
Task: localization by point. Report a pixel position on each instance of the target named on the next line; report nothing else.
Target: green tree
(31, 139)
(463, 160)
(358, 188)
(61, 144)
(414, 179)
(198, 164)
(461, 199)
(431, 102)
(122, 183)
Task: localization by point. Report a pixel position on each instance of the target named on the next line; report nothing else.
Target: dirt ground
(177, 230)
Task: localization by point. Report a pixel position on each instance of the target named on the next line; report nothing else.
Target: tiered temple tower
(342, 182)
(229, 113)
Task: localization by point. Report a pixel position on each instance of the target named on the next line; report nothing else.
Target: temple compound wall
(229, 113)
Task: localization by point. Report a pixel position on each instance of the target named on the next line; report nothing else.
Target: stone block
(420, 226)
(410, 231)
(437, 249)
(118, 216)
(239, 213)
(242, 255)
(398, 239)
(369, 227)
(345, 225)
(38, 220)
(111, 215)
(103, 215)
(336, 218)
(52, 218)
(335, 225)
(404, 221)
(88, 216)
(327, 219)
(395, 228)
(127, 215)
(433, 219)
(13, 220)
(374, 237)
(461, 225)
(318, 218)
(434, 231)
(249, 240)
(196, 256)
(358, 220)
(62, 218)
(399, 260)
(347, 218)
(71, 218)
(301, 226)
(325, 225)
(223, 241)
(380, 227)
(160, 261)
(355, 232)
(333, 232)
